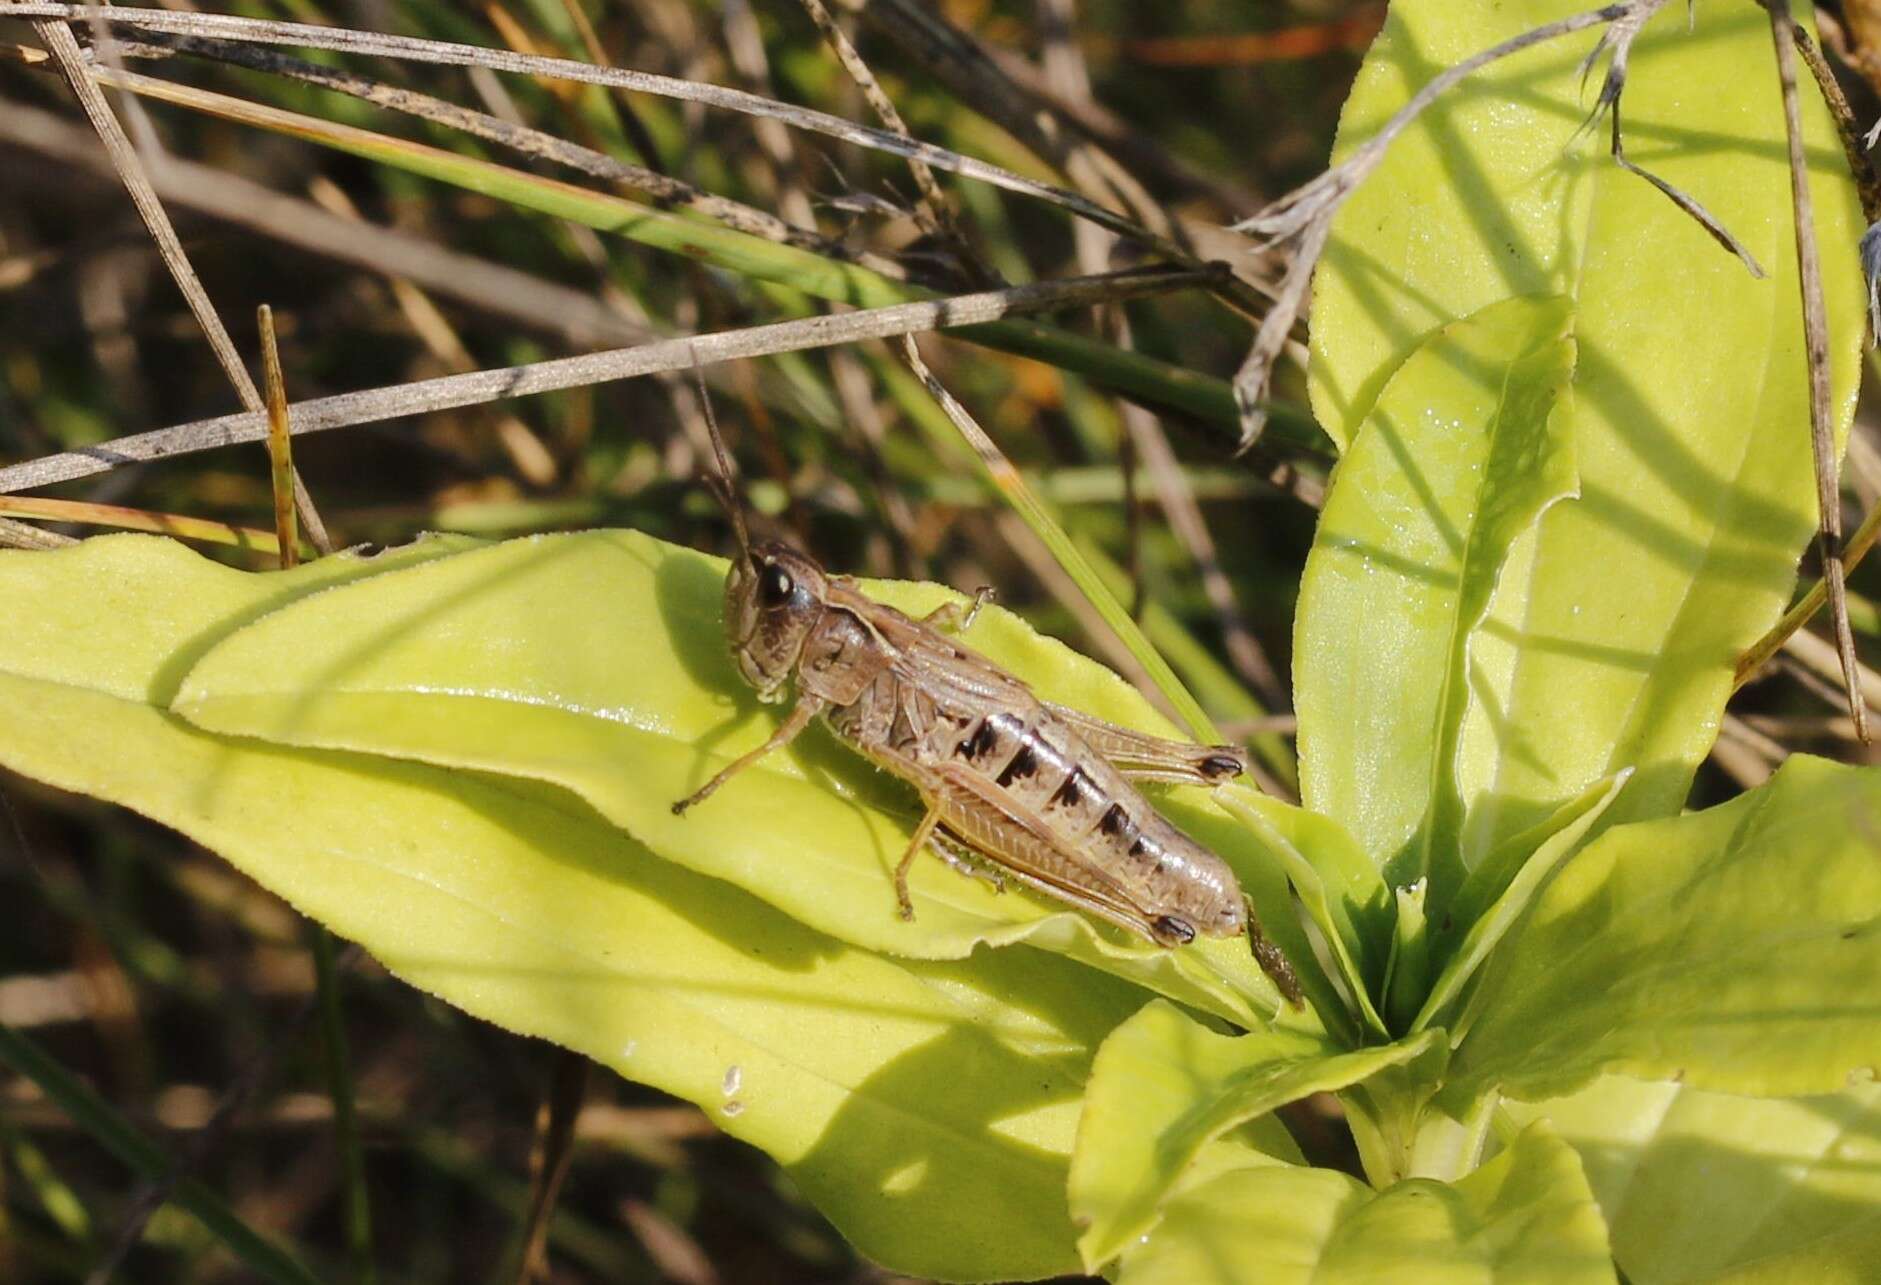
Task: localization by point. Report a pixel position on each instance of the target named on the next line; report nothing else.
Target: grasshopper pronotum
(1032, 789)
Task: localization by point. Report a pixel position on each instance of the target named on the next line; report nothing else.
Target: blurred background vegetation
(184, 994)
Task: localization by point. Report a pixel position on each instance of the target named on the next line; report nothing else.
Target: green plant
(1567, 1024)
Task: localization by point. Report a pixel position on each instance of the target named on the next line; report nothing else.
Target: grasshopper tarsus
(981, 596)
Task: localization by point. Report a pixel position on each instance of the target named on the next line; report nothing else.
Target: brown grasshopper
(1011, 782)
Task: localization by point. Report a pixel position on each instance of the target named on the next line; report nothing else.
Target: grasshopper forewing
(1037, 791)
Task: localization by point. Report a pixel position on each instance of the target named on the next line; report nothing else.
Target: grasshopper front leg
(806, 708)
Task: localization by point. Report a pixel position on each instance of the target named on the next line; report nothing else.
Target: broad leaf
(1735, 949)
(129, 614)
(1475, 928)
(597, 662)
(1465, 447)
(1708, 1187)
(928, 1108)
(1164, 1086)
(1611, 639)
(1526, 1216)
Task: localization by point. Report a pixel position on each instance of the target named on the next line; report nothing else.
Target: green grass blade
(339, 1071)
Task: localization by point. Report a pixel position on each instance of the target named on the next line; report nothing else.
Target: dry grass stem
(862, 418)
(1747, 757)
(90, 512)
(450, 53)
(1755, 657)
(1145, 438)
(1006, 89)
(452, 391)
(1794, 727)
(931, 210)
(65, 50)
(494, 288)
(1618, 38)
(1816, 343)
(1867, 183)
(280, 444)
(1824, 659)
(24, 535)
(553, 1152)
(521, 139)
(1257, 369)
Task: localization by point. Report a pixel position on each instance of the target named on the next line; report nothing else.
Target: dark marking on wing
(1023, 764)
(1138, 848)
(1114, 821)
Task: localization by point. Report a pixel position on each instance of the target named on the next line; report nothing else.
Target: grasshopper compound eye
(775, 586)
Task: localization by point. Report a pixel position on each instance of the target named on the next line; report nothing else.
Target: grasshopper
(1011, 784)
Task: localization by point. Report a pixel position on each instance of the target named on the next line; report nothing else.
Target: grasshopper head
(772, 598)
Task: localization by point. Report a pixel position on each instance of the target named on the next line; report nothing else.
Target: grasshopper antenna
(721, 485)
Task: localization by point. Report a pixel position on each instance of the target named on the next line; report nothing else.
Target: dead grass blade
(1144, 435)
(1816, 344)
(449, 53)
(280, 445)
(518, 138)
(931, 210)
(549, 1160)
(127, 519)
(452, 391)
(496, 289)
(24, 535)
(1012, 487)
(65, 50)
(1759, 653)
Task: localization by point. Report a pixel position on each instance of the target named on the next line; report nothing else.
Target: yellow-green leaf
(1466, 446)
(1709, 1187)
(597, 662)
(927, 1107)
(1611, 640)
(1164, 1086)
(1735, 949)
(1525, 1218)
